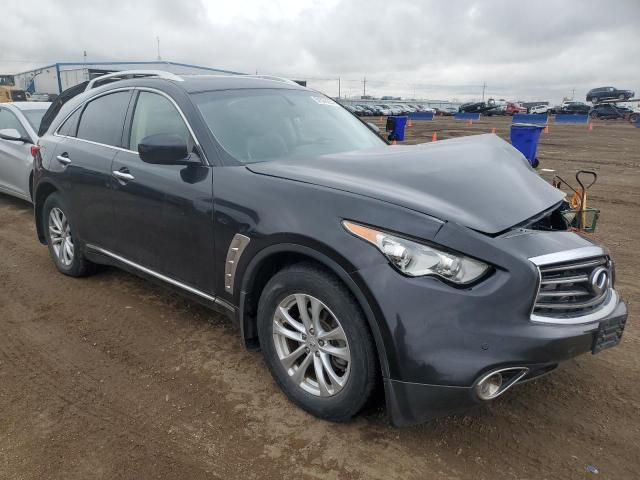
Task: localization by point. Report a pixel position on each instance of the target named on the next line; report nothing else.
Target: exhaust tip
(496, 382)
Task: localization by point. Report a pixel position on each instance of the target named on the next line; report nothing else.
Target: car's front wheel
(61, 237)
(316, 342)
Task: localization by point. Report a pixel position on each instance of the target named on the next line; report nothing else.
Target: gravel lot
(113, 377)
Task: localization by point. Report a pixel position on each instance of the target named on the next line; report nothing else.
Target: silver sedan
(19, 123)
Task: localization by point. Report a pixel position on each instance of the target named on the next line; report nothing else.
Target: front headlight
(415, 259)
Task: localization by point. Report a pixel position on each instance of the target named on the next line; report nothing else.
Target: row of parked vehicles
(366, 110)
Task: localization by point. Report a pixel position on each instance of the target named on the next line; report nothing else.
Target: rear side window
(102, 119)
(70, 125)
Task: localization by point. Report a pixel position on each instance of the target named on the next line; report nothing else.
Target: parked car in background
(19, 123)
(539, 109)
(443, 271)
(445, 111)
(473, 107)
(574, 108)
(607, 111)
(596, 95)
(513, 108)
(42, 97)
(496, 110)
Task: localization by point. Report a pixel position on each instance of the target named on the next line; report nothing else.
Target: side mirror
(13, 135)
(164, 150)
(373, 127)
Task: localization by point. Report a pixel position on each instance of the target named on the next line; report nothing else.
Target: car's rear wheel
(67, 253)
(316, 342)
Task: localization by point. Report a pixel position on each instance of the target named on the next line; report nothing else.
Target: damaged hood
(478, 181)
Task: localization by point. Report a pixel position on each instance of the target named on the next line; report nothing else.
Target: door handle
(123, 175)
(64, 159)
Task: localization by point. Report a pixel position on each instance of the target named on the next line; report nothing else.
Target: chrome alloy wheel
(60, 235)
(311, 344)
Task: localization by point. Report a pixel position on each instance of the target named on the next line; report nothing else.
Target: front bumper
(410, 403)
(439, 340)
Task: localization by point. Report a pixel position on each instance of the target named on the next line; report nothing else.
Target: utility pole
(338, 87)
(484, 86)
(364, 86)
(158, 44)
(573, 93)
(84, 57)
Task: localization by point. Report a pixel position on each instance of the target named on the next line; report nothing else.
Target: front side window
(103, 118)
(156, 115)
(257, 125)
(9, 120)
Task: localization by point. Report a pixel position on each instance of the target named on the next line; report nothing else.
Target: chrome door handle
(122, 175)
(63, 160)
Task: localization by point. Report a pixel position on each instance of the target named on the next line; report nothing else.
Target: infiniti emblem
(599, 281)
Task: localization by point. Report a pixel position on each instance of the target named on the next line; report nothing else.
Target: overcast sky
(529, 50)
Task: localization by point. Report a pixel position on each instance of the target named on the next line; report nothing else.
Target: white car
(19, 123)
(539, 109)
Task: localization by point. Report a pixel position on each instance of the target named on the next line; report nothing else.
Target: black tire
(79, 265)
(310, 279)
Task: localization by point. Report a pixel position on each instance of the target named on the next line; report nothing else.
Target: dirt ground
(112, 377)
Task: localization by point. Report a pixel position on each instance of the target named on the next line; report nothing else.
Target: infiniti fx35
(443, 272)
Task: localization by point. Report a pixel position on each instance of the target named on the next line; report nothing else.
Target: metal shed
(57, 77)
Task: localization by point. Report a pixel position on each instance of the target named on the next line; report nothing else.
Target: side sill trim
(162, 277)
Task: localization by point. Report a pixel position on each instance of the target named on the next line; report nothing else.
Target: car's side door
(82, 164)
(15, 156)
(164, 212)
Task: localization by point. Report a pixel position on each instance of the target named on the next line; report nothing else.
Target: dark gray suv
(444, 272)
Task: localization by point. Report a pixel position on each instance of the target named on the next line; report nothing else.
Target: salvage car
(574, 108)
(443, 271)
(607, 111)
(19, 122)
(599, 94)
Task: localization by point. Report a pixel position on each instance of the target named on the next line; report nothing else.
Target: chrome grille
(567, 289)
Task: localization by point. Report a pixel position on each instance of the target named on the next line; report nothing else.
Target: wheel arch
(273, 258)
(43, 190)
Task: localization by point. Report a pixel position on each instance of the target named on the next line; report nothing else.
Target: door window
(156, 115)
(70, 125)
(103, 118)
(9, 120)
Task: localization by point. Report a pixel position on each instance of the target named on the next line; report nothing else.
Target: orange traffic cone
(409, 123)
(434, 137)
(590, 126)
(546, 129)
(393, 142)
(381, 119)
(493, 130)
(470, 122)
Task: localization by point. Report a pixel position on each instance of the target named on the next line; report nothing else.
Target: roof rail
(274, 78)
(133, 74)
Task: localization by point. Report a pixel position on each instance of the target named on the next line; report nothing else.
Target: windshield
(257, 125)
(34, 117)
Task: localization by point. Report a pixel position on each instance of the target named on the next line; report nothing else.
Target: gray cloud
(527, 50)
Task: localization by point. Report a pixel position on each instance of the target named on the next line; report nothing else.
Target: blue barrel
(525, 137)
(395, 126)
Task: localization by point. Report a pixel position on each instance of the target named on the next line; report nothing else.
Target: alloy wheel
(60, 235)
(312, 345)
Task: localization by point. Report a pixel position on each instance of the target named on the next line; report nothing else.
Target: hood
(478, 181)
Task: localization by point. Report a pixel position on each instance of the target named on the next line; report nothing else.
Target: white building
(59, 76)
